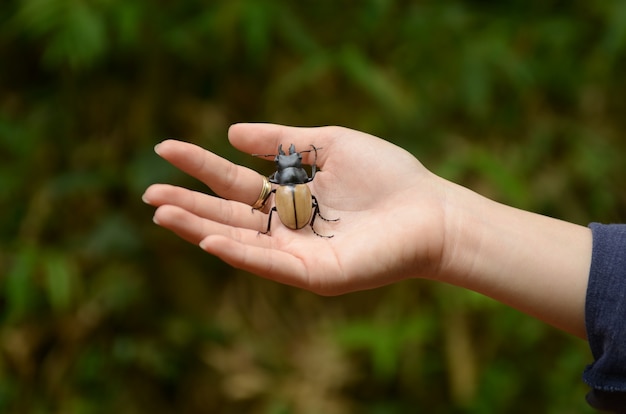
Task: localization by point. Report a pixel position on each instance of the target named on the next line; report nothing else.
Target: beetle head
(291, 160)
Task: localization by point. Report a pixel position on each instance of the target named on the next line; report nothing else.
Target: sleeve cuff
(605, 318)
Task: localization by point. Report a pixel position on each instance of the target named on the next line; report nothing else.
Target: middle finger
(225, 178)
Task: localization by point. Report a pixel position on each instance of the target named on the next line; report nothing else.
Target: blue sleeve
(605, 318)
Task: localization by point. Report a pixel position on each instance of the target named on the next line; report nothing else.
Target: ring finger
(227, 212)
(194, 229)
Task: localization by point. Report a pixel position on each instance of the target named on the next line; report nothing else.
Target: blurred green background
(102, 311)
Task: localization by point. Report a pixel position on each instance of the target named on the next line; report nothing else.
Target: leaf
(19, 285)
(373, 80)
(73, 32)
(256, 26)
(113, 234)
(61, 278)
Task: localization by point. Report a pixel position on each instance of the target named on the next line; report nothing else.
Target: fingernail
(156, 148)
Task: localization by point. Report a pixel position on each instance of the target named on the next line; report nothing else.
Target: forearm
(531, 262)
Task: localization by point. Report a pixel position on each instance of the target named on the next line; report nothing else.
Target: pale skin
(397, 221)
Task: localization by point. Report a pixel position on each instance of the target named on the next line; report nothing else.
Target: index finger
(265, 139)
(225, 178)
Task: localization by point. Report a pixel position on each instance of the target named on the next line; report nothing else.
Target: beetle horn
(280, 149)
(292, 149)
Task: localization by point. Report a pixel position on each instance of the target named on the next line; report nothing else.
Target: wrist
(531, 262)
(463, 229)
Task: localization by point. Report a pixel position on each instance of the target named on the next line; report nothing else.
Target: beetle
(293, 201)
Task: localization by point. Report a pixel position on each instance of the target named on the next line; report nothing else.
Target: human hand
(397, 220)
(390, 208)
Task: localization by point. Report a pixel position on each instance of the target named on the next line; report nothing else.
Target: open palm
(390, 210)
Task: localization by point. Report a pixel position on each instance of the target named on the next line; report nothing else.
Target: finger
(193, 228)
(266, 262)
(226, 179)
(186, 225)
(202, 205)
(265, 139)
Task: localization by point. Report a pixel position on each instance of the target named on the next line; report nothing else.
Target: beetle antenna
(281, 152)
(313, 148)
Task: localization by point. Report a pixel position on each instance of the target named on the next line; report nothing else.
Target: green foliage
(104, 312)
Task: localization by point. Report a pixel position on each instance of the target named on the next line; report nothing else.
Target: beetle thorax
(291, 175)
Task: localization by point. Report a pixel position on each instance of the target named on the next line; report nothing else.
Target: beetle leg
(316, 212)
(272, 178)
(267, 198)
(269, 221)
(317, 209)
(314, 165)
